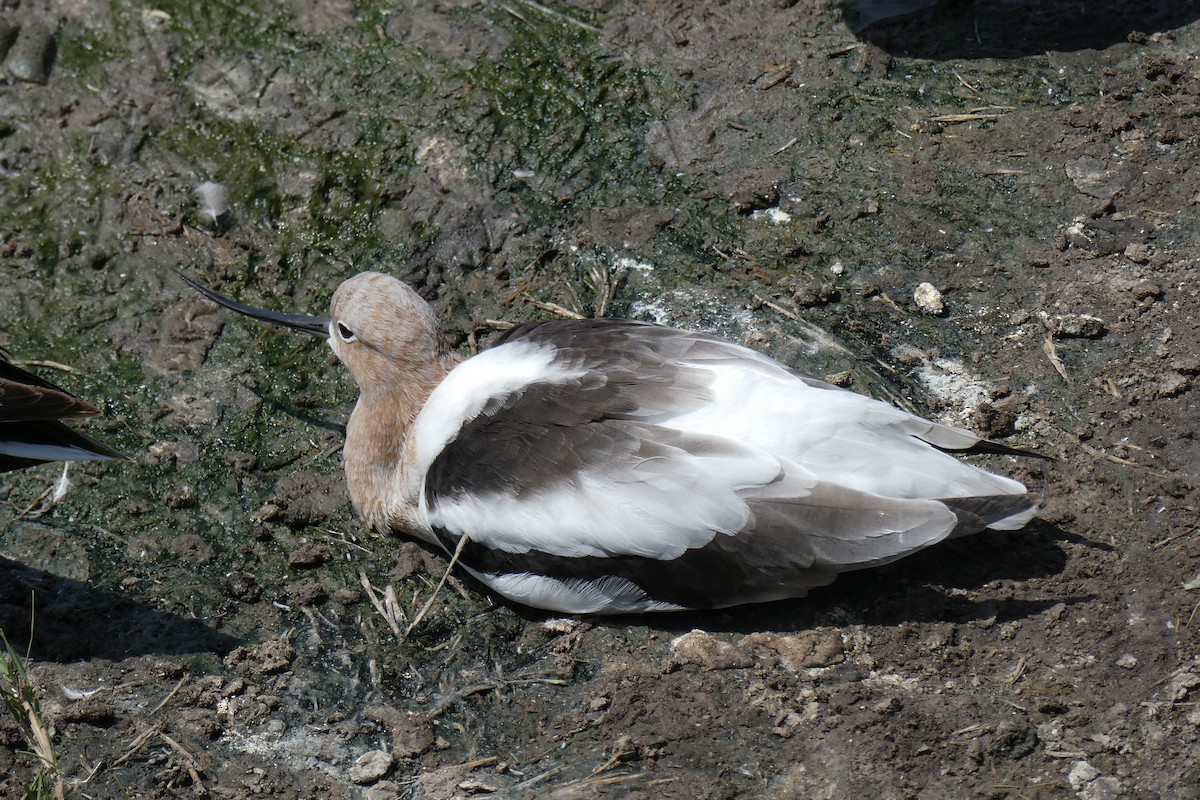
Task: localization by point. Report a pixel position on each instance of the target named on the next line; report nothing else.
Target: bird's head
(380, 328)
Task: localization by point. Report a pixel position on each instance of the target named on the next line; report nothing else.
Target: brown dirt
(1037, 163)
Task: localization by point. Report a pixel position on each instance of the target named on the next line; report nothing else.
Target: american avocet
(613, 466)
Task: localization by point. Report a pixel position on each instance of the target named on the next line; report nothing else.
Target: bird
(32, 431)
(608, 466)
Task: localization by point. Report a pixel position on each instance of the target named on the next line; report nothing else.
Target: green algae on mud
(554, 108)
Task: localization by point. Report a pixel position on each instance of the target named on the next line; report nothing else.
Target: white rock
(929, 299)
(1105, 788)
(1081, 774)
(370, 767)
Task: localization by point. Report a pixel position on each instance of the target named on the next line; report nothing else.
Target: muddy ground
(211, 620)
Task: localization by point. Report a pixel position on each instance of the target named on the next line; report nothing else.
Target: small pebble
(370, 767)
(32, 54)
(307, 592)
(707, 651)
(1078, 326)
(347, 596)
(182, 496)
(908, 355)
(243, 586)
(1082, 773)
(929, 300)
(842, 379)
(561, 625)
(1139, 253)
(310, 554)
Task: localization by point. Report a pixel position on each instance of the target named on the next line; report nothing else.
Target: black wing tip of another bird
(99, 448)
(51, 426)
(118, 455)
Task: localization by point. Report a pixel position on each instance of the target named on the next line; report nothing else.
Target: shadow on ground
(1013, 28)
(925, 587)
(71, 621)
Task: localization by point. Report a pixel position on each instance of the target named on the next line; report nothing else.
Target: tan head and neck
(389, 339)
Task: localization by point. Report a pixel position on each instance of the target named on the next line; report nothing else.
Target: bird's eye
(345, 333)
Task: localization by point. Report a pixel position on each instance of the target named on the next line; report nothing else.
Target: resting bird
(31, 431)
(610, 466)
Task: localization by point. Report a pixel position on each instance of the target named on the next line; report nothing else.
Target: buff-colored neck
(379, 449)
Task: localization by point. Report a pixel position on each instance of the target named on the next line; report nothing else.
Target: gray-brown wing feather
(799, 532)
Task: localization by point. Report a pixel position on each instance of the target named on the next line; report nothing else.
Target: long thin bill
(314, 326)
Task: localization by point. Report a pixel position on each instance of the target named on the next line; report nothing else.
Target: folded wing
(604, 465)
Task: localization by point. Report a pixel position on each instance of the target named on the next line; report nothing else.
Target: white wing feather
(657, 507)
(763, 434)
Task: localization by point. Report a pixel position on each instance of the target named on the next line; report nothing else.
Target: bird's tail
(1000, 512)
